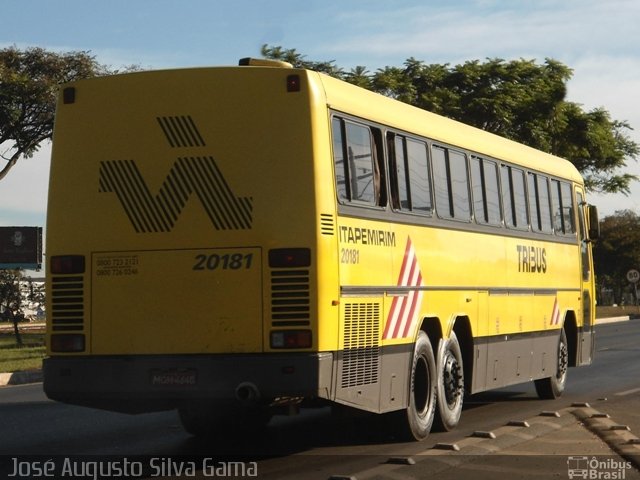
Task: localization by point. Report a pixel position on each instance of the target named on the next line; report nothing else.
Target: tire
(417, 419)
(552, 387)
(450, 384)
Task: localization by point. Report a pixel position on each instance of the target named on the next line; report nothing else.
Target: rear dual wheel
(450, 384)
(420, 413)
(437, 388)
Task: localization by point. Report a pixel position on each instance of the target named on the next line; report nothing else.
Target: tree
(11, 299)
(298, 60)
(617, 251)
(517, 99)
(29, 81)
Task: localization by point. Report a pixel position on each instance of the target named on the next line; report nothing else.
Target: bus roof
(362, 103)
(359, 102)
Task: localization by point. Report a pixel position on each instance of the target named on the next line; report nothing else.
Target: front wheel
(552, 387)
(418, 417)
(450, 383)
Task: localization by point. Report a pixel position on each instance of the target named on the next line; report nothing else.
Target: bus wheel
(450, 383)
(552, 387)
(422, 395)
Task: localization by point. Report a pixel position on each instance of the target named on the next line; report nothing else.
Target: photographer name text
(126, 468)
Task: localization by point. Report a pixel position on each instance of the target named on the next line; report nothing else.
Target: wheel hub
(452, 379)
(563, 360)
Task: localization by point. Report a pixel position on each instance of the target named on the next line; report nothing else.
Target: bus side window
(514, 198)
(419, 176)
(545, 203)
(358, 173)
(539, 205)
(339, 156)
(486, 191)
(409, 165)
(451, 184)
(398, 172)
(567, 208)
(563, 222)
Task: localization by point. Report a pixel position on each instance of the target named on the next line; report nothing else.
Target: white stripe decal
(402, 316)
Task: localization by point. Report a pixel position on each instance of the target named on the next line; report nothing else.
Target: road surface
(33, 425)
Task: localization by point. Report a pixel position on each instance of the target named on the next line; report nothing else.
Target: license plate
(174, 377)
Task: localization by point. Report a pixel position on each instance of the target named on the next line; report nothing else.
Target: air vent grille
(67, 303)
(290, 304)
(327, 224)
(361, 358)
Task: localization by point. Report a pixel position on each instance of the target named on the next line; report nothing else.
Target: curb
(618, 437)
(604, 321)
(20, 378)
(512, 434)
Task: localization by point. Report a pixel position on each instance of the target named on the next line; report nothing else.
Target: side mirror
(594, 222)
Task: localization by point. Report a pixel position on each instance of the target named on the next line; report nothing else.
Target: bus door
(587, 342)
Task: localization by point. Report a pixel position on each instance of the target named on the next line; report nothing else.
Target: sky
(598, 39)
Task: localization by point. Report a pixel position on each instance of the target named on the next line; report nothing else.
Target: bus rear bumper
(145, 383)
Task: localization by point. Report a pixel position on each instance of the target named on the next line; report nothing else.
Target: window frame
(484, 165)
(379, 196)
(401, 156)
(449, 183)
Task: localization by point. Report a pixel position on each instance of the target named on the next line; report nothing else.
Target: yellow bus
(237, 241)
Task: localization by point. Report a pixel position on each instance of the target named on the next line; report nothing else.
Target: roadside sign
(21, 247)
(633, 276)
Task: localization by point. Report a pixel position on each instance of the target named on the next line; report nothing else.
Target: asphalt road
(30, 424)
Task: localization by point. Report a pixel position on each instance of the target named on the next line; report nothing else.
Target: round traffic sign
(633, 276)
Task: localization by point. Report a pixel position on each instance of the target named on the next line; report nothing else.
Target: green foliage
(14, 357)
(518, 99)
(12, 296)
(11, 299)
(617, 251)
(29, 81)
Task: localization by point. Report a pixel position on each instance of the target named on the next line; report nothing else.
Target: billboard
(21, 247)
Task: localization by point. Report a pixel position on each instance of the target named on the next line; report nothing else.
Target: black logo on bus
(199, 176)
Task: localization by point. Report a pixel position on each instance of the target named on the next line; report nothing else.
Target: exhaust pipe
(247, 393)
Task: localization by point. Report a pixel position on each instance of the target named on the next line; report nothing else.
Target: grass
(620, 311)
(27, 357)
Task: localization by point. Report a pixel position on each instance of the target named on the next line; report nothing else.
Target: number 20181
(228, 261)
(349, 255)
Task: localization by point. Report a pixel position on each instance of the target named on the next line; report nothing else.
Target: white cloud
(23, 192)
(598, 40)
(458, 31)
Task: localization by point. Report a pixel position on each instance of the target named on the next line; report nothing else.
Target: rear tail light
(293, 83)
(67, 342)
(67, 264)
(291, 339)
(289, 257)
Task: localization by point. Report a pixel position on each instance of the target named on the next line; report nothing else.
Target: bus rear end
(181, 243)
